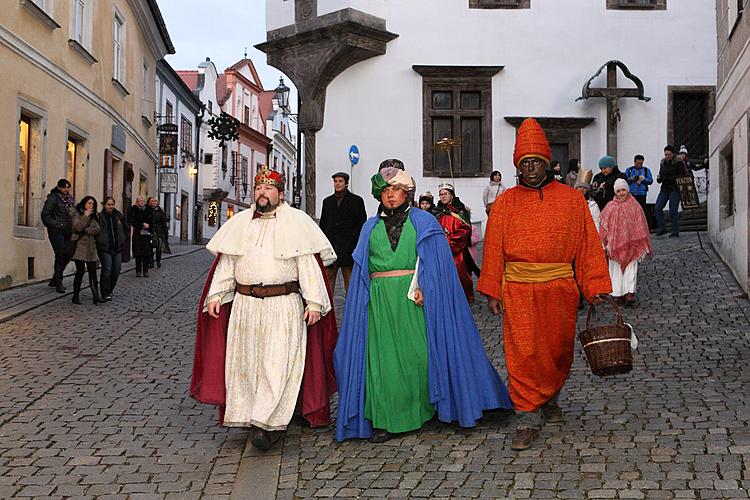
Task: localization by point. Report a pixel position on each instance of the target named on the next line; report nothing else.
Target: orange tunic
(551, 225)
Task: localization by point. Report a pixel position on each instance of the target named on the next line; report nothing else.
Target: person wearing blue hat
(603, 184)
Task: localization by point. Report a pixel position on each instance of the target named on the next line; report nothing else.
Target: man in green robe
(408, 347)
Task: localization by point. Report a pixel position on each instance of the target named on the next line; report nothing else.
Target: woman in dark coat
(138, 218)
(85, 223)
(158, 229)
(109, 245)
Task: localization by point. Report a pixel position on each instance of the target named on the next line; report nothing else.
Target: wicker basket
(607, 347)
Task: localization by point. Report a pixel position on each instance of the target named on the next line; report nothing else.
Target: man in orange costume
(540, 246)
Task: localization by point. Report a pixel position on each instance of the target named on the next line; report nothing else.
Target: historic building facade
(227, 171)
(393, 78)
(729, 143)
(283, 157)
(177, 175)
(77, 102)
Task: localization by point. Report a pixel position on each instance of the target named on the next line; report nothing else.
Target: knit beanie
(607, 161)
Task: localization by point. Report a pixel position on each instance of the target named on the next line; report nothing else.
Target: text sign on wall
(168, 182)
(688, 193)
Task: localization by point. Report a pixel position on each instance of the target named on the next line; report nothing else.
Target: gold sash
(534, 272)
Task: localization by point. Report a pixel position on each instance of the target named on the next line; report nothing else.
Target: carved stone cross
(612, 94)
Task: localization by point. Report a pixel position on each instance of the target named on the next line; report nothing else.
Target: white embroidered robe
(266, 338)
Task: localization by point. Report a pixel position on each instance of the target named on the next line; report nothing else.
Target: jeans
(111, 266)
(674, 201)
(534, 419)
(57, 239)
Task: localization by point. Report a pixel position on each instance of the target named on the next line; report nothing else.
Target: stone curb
(258, 473)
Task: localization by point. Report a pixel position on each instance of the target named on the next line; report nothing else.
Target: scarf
(394, 222)
(66, 199)
(624, 231)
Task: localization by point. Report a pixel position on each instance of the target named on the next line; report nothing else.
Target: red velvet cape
(318, 381)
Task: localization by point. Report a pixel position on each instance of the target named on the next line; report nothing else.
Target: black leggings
(141, 264)
(82, 267)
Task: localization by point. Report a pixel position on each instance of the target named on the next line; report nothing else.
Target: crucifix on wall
(612, 94)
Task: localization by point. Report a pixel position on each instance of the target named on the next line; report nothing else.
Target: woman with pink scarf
(624, 233)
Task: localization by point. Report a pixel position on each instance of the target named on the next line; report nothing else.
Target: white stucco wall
(731, 122)
(549, 52)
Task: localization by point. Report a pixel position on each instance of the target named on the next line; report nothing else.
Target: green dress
(397, 394)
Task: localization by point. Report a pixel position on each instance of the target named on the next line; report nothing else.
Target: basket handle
(617, 311)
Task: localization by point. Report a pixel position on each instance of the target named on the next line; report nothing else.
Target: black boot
(77, 280)
(94, 285)
(57, 278)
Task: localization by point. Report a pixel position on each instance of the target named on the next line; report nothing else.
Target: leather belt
(261, 291)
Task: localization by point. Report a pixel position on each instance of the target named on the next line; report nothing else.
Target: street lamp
(282, 97)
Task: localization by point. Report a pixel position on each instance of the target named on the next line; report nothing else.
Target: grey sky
(219, 29)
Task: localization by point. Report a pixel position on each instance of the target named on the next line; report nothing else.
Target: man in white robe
(267, 268)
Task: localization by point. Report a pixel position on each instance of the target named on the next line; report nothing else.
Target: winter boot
(94, 285)
(77, 280)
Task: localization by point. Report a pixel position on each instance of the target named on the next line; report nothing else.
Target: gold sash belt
(392, 274)
(533, 272)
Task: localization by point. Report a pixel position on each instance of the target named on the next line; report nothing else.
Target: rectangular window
(244, 176)
(186, 130)
(457, 110)
(79, 19)
(169, 111)
(726, 180)
(119, 48)
(637, 4)
(24, 165)
(146, 91)
(210, 107)
(499, 4)
(247, 116)
(71, 157)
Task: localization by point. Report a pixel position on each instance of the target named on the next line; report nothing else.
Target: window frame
(624, 5)
(499, 4)
(36, 170)
(119, 44)
(186, 135)
(457, 79)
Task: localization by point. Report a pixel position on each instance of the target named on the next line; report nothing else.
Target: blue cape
(462, 381)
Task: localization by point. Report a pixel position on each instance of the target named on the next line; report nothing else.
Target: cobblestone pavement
(93, 399)
(676, 427)
(93, 402)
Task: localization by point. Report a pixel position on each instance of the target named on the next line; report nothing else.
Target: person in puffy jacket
(56, 217)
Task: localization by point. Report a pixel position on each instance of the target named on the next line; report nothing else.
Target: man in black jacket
(603, 184)
(670, 168)
(56, 217)
(341, 221)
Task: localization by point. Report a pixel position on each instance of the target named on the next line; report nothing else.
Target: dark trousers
(333, 270)
(111, 266)
(57, 239)
(141, 264)
(673, 198)
(641, 199)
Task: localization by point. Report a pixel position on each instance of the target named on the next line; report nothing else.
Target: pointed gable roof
(222, 90)
(190, 77)
(249, 71)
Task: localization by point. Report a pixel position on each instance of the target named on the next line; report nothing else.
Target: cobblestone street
(93, 402)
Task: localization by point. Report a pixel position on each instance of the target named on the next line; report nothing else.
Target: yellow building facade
(76, 102)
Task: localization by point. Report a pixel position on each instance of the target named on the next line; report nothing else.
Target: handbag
(69, 247)
(607, 347)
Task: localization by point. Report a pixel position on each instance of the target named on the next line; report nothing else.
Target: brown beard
(268, 207)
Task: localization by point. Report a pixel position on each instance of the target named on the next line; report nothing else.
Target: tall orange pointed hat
(531, 142)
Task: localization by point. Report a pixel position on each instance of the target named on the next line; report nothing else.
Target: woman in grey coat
(85, 223)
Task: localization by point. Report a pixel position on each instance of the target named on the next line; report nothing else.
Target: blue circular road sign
(353, 154)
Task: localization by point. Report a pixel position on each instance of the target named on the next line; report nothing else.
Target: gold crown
(270, 177)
